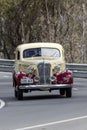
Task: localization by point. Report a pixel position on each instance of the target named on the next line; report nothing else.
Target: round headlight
(52, 78)
(30, 69)
(56, 69)
(36, 79)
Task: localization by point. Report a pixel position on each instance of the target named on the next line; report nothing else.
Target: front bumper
(45, 87)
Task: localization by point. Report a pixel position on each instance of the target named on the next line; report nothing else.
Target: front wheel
(62, 91)
(68, 92)
(18, 94)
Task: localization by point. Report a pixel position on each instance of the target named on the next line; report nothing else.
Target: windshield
(37, 52)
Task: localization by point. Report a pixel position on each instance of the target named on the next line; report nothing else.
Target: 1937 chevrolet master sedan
(41, 67)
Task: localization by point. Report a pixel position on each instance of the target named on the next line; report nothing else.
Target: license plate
(26, 81)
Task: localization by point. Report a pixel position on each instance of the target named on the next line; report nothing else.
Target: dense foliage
(61, 21)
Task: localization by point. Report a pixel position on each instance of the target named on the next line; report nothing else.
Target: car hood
(38, 60)
(34, 62)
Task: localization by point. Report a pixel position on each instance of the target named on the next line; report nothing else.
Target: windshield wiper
(36, 54)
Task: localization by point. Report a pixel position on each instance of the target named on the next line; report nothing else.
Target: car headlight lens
(52, 78)
(36, 79)
(30, 69)
(56, 69)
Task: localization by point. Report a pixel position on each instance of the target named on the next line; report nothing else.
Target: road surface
(43, 110)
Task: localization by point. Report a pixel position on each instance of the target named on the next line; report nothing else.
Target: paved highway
(43, 110)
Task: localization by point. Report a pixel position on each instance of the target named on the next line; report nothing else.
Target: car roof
(39, 44)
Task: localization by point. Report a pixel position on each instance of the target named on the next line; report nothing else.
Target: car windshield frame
(41, 52)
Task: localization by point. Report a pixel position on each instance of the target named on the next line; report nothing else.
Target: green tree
(61, 21)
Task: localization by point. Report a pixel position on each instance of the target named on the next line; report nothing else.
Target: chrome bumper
(45, 86)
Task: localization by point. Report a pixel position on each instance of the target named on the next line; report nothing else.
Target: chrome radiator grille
(44, 72)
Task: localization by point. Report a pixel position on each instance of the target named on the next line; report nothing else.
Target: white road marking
(75, 89)
(53, 123)
(2, 104)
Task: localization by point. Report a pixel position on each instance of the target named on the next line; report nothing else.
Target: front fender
(65, 78)
(19, 76)
(22, 75)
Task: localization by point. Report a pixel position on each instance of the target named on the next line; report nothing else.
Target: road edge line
(52, 123)
(2, 103)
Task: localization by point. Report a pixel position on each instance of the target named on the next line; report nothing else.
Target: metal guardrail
(6, 65)
(79, 70)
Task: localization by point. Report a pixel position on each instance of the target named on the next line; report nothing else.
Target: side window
(18, 55)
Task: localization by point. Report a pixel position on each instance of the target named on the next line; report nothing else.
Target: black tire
(68, 92)
(62, 91)
(18, 94)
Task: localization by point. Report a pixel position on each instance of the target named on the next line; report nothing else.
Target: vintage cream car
(41, 66)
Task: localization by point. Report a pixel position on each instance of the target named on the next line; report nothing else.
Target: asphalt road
(43, 110)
